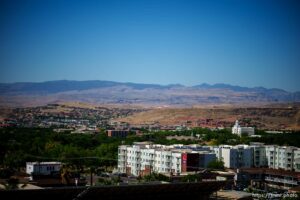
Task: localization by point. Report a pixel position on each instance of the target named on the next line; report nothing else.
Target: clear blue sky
(247, 43)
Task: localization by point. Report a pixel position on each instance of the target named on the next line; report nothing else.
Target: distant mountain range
(109, 92)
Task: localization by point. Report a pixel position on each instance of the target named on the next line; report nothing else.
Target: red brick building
(117, 133)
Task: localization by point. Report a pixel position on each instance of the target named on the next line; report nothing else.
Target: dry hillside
(272, 117)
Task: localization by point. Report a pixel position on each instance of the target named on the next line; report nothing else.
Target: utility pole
(91, 176)
(150, 168)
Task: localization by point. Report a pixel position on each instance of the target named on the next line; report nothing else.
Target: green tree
(11, 184)
(216, 164)
(192, 178)
(156, 177)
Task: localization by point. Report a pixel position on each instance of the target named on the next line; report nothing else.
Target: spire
(236, 122)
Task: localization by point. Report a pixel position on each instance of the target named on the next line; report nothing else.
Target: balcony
(280, 180)
(122, 152)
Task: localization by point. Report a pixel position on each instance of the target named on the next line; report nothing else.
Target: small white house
(42, 168)
(237, 129)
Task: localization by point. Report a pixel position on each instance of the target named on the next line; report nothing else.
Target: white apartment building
(259, 154)
(122, 158)
(144, 158)
(297, 160)
(236, 156)
(282, 157)
(133, 159)
(252, 155)
(42, 168)
(162, 160)
(237, 129)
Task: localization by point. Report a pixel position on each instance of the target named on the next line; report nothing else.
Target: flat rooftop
(43, 163)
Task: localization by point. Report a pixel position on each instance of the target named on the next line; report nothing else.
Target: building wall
(217, 151)
(205, 159)
(297, 160)
(281, 157)
(284, 158)
(134, 159)
(193, 161)
(247, 131)
(163, 161)
(237, 156)
(268, 178)
(42, 168)
(144, 159)
(117, 133)
(246, 159)
(176, 163)
(259, 156)
(227, 157)
(122, 158)
(270, 152)
(237, 129)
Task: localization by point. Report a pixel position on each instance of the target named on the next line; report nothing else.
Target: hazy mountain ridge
(50, 87)
(134, 93)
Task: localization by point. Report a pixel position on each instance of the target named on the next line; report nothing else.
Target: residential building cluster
(59, 116)
(145, 157)
(259, 155)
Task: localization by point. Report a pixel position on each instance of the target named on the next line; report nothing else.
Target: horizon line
(158, 84)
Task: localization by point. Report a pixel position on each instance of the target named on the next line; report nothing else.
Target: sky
(239, 42)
